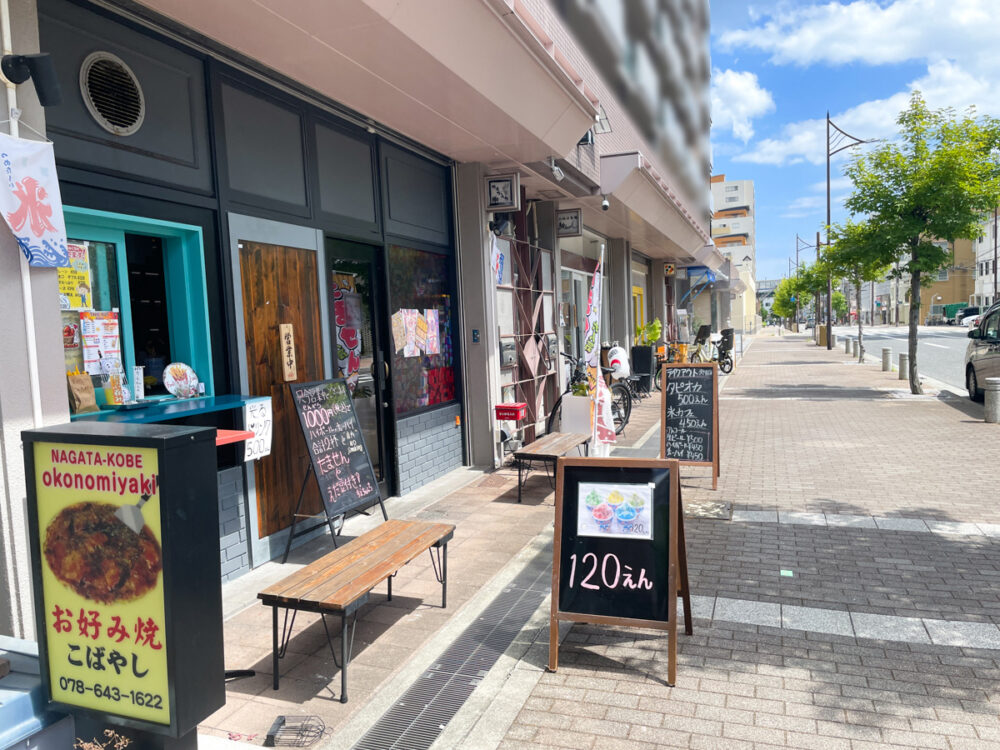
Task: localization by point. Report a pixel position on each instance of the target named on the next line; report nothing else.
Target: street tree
(857, 252)
(839, 304)
(785, 296)
(933, 183)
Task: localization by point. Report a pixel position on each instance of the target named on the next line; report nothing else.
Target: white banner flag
(600, 394)
(30, 200)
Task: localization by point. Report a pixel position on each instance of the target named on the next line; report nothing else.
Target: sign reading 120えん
(102, 582)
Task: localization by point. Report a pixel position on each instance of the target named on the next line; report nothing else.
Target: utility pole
(994, 254)
(818, 296)
(872, 303)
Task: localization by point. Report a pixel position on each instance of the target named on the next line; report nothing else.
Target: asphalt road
(940, 349)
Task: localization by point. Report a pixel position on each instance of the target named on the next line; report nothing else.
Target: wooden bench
(546, 449)
(340, 582)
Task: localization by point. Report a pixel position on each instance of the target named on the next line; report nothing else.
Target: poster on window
(74, 280)
(72, 342)
(99, 334)
(421, 338)
(30, 201)
(347, 322)
(410, 348)
(433, 345)
(398, 331)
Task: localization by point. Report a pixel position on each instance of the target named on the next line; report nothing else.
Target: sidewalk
(846, 598)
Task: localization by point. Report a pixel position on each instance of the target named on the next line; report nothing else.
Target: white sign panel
(258, 419)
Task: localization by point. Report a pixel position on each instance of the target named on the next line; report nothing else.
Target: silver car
(982, 358)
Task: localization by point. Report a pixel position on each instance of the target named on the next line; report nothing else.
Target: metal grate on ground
(421, 714)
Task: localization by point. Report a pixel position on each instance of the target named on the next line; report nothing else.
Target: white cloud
(953, 37)
(737, 98)
(870, 32)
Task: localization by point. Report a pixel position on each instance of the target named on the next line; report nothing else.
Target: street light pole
(994, 254)
(843, 141)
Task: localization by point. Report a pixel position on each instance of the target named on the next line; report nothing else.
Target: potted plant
(643, 363)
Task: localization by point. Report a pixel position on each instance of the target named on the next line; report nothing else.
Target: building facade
(219, 188)
(987, 290)
(734, 234)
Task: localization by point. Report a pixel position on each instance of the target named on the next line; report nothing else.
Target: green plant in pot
(648, 334)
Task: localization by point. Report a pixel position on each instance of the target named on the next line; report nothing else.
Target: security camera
(605, 205)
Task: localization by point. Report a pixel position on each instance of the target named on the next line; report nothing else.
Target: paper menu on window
(433, 344)
(74, 280)
(410, 348)
(99, 334)
(398, 331)
(421, 337)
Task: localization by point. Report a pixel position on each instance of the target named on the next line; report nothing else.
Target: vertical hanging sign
(30, 201)
(288, 368)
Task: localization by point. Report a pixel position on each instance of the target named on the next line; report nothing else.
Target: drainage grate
(422, 713)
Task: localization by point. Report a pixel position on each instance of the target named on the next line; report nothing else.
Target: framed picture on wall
(503, 192)
(569, 222)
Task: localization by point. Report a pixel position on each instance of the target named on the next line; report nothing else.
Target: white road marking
(939, 346)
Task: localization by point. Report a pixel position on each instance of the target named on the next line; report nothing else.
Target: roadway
(940, 349)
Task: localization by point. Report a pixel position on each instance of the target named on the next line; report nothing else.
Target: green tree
(839, 305)
(933, 183)
(785, 296)
(857, 253)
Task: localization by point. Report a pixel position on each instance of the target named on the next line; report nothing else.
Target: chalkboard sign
(336, 445)
(618, 546)
(689, 424)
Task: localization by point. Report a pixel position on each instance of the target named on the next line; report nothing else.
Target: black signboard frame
(189, 519)
(714, 442)
(329, 511)
(655, 554)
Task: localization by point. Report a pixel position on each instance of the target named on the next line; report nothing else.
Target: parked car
(968, 312)
(982, 358)
(971, 321)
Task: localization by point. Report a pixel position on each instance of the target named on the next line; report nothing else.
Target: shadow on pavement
(815, 392)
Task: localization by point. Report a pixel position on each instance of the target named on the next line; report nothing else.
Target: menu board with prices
(619, 556)
(336, 445)
(690, 415)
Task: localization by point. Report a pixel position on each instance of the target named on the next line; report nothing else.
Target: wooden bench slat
(552, 446)
(348, 585)
(365, 582)
(334, 581)
(306, 576)
(336, 562)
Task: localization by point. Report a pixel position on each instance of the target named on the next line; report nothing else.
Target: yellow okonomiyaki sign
(102, 582)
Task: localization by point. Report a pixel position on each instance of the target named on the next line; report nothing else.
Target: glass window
(423, 372)
(942, 274)
(992, 326)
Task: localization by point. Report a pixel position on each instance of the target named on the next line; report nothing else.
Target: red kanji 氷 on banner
(30, 201)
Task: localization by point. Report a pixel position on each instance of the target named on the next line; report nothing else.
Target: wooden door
(280, 285)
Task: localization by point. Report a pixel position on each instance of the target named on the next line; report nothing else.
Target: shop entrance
(280, 285)
(357, 329)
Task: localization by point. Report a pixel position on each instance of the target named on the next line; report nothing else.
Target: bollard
(886, 359)
(854, 347)
(847, 345)
(992, 390)
(904, 366)
(833, 340)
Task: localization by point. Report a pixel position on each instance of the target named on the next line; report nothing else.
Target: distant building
(734, 234)
(986, 288)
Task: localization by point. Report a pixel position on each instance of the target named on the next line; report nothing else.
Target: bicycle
(621, 401)
(718, 350)
(673, 355)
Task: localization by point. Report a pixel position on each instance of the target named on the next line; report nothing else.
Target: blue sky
(779, 65)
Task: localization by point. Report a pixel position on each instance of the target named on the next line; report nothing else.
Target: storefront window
(423, 372)
(133, 296)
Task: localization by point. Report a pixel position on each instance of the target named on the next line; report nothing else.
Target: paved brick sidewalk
(806, 431)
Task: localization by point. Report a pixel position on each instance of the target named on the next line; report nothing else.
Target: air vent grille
(112, 93)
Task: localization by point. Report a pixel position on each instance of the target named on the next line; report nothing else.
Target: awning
(659, 221)
(505, 91)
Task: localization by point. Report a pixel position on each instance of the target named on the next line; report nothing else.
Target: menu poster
(258, 419)
(336, 445)
(433, 345)
(398, 331)
(100, 336)
(410, 348)
(74, 280)
(72, 342)
(689, 405)
(421, 337)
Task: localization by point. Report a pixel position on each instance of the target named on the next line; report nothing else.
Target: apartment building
(734, 234)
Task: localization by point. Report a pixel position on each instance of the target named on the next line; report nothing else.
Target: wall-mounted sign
(619, 556)
(569, 222)
(258, 418)
(502, 192)
(689, 418)
(122, 542)
(286, 336)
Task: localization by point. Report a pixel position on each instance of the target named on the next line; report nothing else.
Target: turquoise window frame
(184, 270)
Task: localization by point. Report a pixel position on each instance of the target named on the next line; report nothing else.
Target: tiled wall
(233, 550)
(430, 445)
